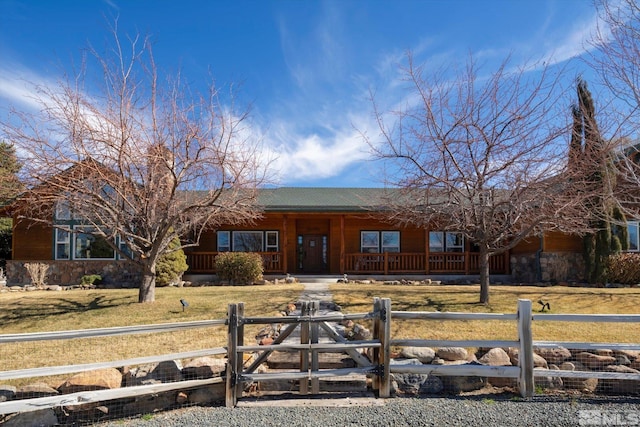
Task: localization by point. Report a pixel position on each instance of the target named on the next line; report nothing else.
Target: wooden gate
(310, 324)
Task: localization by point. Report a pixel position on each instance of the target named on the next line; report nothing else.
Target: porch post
(285, 246)
(426, 251)
(342, 255)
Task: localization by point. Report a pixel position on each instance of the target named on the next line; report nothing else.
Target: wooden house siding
(32, 241)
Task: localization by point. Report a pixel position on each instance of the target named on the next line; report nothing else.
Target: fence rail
(378, 366)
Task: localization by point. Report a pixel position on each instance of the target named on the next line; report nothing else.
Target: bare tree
(617, 62)
(485, 156)
(138, 156)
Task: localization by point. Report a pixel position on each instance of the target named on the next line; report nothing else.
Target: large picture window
(89, 246)
(446, 241)
(248, 241)
(379, 241)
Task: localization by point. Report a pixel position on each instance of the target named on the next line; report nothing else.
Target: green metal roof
(325, 199)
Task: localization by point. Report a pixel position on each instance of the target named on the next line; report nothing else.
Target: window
(248, 241)
(224, 241)
(63, 245)
(272, 241)
(379, 241)
(89, 246)
(390, 241)
(63, 211)
(633, 229)
(369, 241)
(441, 241)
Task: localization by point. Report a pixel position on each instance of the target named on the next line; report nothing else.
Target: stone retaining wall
(551, 267)
(120, 274)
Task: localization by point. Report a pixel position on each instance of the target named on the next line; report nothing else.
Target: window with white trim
(90, 246)
(271, 241)
(63, 244)
(379, 241)
(446, 241)
(248, 241)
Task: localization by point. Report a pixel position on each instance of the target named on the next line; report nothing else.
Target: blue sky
(305, 66)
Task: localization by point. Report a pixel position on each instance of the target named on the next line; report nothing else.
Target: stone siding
(116, 274)
(553, 267)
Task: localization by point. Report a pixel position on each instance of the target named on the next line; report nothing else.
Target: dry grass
(565, 300)
(55, 311)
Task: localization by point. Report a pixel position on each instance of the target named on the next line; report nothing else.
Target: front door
(312, 253)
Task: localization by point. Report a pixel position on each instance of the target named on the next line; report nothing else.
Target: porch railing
(441, 262)
(204, 262)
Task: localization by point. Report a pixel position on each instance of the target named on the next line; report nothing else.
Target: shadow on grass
(34, 310)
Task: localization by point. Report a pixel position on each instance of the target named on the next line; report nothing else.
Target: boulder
(549, 382)
(615, 386)
(555, 355)
(7, 392)
(43, 417)
(207, 395)
(585, 385)
(538, 361)
(415, 384)
(452, 353)
(595, 361)
(33, 390)
(495, 357)
(423, 354)
(100, 379)
(204, 367)
(629, 354)
(150, 403)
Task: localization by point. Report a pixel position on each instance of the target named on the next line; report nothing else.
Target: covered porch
(374, 263)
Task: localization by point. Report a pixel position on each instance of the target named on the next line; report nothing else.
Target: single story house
(312, 231)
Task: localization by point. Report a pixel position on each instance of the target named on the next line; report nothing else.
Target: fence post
(239, 342)
(525, 354)
(231, 396)
(375, 380)
(385, 350)
(315, 334)
(304, 354)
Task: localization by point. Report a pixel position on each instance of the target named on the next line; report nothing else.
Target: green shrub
(239, 268)
(90, 279)
(171, 265)
(624, 268)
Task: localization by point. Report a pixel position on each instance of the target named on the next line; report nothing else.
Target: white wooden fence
(380, 367)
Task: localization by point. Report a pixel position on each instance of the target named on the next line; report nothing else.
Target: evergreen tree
(10, 187)
(587, 150)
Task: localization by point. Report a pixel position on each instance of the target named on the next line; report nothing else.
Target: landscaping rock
(415, 384)
(632, 355)
(549, 382)
(108, 378)
(7, 392)
(585, 385)
(620, 386)
(207, 395)
(203, 368)
(43, 417)
(35, 390)
(423, 354)
(495, 357)
(555, 355)
(150, 403)
(595, 361)
(538, 361)
(452, 353)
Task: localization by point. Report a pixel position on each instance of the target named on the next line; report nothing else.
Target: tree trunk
(484, 275)
(147, 292)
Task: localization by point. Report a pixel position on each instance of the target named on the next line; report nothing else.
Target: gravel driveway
(436, 411)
